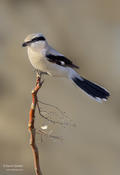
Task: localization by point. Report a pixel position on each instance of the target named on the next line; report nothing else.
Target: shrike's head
(36, 40)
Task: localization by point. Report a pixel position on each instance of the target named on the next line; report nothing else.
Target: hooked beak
(24, 44)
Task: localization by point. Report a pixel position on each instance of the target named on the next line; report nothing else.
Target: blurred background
(87, 32)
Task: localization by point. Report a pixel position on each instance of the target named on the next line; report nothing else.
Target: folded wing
(61, 60)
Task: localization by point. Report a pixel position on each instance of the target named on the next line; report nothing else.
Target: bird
(46, 59)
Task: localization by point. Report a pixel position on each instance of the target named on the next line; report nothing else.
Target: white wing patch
(62, 63)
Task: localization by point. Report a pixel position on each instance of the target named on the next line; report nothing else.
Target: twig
(69, 123)
(50, 120)
(31, 126)
(53, 106)
(49, 135)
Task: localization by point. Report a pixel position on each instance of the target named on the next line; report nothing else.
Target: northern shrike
(46, 59)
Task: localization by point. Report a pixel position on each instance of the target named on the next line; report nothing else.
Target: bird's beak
(24, 44)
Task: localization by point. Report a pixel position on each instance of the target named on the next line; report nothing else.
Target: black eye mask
(41, 38)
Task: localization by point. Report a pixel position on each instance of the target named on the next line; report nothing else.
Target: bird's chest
(37, 59)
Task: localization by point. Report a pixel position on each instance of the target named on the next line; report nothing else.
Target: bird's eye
(41, 38)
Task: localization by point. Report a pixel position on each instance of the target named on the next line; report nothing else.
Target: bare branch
(33, 131)
(49, 135)
(69, 121)
(31, 126)
(50, 120)
(53, 106)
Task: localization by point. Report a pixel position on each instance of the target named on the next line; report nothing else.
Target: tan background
(87, 32)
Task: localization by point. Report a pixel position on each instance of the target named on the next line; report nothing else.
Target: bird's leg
(37, 71)
(39, 75)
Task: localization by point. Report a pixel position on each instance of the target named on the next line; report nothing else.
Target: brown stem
(31, 126)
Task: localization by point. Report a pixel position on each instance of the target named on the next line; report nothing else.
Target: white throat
(38, 45)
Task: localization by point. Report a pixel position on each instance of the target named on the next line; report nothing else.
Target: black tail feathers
(97, 92)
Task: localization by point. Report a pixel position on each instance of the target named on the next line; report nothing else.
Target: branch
(32, 129)
(50, 120)
(31, 126)
(64, 123)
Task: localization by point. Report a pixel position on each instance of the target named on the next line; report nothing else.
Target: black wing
(60, 60)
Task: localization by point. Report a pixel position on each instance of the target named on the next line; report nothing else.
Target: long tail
(95, 91)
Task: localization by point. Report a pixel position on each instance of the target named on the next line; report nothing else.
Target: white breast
(37, 59)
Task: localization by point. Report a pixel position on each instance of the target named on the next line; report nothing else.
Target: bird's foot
(40, 73)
